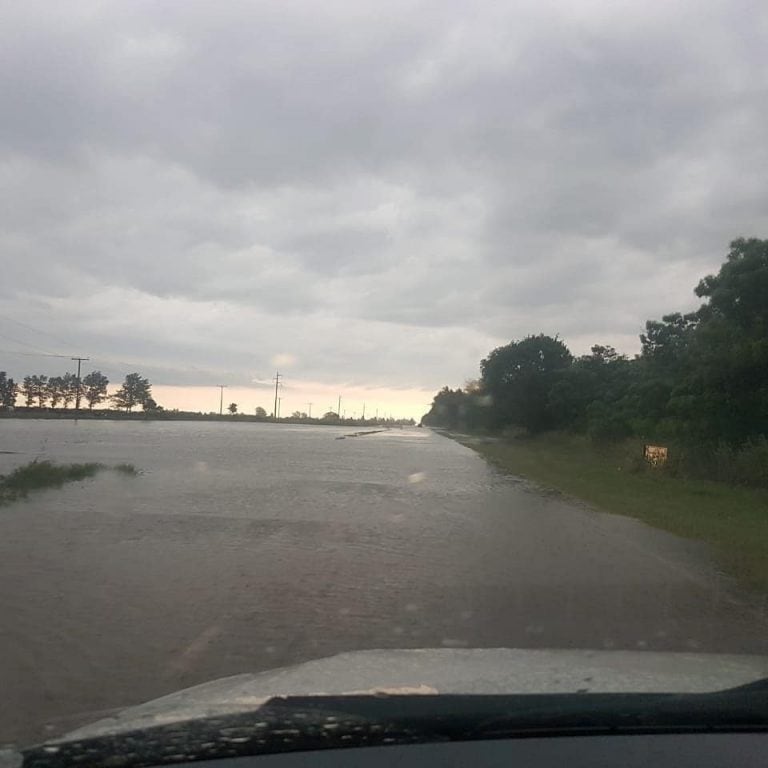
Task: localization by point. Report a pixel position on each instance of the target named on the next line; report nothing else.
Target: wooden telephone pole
(277, 384)
(79, 387)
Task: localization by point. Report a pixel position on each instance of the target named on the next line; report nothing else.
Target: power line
(33, 329)
(39, 350)
(30, 354)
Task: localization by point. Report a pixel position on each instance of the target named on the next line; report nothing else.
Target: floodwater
(241, 547)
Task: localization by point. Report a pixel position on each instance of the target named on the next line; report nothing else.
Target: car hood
(445, 671)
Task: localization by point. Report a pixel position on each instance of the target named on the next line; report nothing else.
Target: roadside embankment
(732, 520)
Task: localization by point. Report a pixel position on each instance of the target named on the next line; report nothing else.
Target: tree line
(700, 380)
(42, 391)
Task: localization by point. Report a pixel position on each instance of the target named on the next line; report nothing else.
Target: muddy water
(242, 547)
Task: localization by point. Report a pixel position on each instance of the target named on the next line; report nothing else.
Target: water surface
(245, 546)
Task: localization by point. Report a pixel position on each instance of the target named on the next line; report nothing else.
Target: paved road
(251, 547)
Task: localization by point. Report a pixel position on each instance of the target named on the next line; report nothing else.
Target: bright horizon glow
(296, 396)
(395, 403)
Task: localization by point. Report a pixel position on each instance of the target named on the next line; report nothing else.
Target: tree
(721, 392)
(448, 409)
(95, 388)
(55, 389)
(330, 416)
(35, 388)
(135, 391)
(68, 388)
(518, 377)
(28, 391)
(591, 396)
(261, 413)
(665, 343)
(41, 389)
(150, 405)
(8, 391)
(232, 408)
(738, 293)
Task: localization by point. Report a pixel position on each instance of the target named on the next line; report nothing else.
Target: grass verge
(38, 475)
(733, 520)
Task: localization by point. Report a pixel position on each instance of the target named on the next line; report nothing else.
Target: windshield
(348, 326)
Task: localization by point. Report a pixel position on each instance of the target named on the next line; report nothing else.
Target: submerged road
(243, 547)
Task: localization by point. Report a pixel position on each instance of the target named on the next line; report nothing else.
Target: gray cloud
(383, 192)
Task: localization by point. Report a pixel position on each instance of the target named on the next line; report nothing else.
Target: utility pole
(338, 409)
(277, 384)
(310, 410)
(279, 403)
(79, 388)
(363, 411)
(221, 387)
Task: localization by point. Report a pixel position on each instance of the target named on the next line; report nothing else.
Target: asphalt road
(246, 547)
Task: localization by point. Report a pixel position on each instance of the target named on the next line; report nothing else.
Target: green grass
(38, 475)
(733, 520)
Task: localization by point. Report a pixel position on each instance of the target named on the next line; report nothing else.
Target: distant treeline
(42, 392)
(700, 381)
(57, 395)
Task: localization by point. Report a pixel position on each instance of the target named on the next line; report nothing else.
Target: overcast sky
(369, 195)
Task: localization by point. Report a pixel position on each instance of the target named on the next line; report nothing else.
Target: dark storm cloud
(384, 192)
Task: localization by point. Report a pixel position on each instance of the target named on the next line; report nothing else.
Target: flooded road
(242, 547)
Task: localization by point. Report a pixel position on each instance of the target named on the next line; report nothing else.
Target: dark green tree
(150, 405)
(8, 391)
(518, 378)
(604, 377)
(68, 388)
(723, 391)
(261, 413)
(232, 408)
(55, 388)
(28, 391)
(38, 386)
(135, 391)
(449, 409)
(95, 388)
